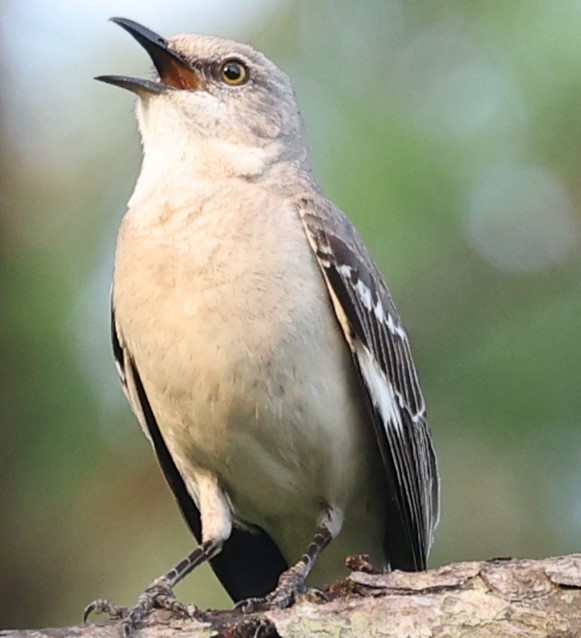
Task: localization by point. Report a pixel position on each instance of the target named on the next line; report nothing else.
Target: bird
(257, 342)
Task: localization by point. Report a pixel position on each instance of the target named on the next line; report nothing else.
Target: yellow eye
(234, 72)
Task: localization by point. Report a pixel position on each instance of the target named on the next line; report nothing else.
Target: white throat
(177, 154)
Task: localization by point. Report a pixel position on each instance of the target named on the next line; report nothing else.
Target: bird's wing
(250, 562)
(381, 354)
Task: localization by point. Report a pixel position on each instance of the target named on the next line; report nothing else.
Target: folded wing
(390, 388)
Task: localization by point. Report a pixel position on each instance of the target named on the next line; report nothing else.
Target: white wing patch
(345, 270)
(364, 294)
(395, 328)
(379, 312)
(381, 391)
(366, 297)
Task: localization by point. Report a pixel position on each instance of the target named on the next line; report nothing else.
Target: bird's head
(214, 98)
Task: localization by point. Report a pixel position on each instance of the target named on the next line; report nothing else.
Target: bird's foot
(361, 563)
(158, 595)
(103, 606)
(290, 589)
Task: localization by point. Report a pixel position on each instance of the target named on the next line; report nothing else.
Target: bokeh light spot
(520, 219)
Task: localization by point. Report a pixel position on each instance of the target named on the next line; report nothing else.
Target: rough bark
(508, 598)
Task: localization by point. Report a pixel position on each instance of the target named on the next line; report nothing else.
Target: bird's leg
(159, 595)
(292, 581)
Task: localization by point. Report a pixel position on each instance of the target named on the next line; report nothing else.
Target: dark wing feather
(382, 355)
(250, 562)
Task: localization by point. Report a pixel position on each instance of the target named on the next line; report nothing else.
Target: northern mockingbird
(257, 342)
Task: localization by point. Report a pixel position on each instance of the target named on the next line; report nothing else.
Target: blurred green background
(451, 134)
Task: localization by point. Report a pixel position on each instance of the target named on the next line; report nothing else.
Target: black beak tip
(115, 80)
(142, 34)
(140, 87)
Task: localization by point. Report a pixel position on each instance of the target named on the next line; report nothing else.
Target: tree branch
(528, 598)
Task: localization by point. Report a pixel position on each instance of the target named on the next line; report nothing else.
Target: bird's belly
(284, 443)
(246, 397)
(271, 417)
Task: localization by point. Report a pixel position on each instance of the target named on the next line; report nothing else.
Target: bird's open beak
(174, 72)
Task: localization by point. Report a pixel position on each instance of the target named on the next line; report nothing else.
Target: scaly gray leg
(159, 595)
(291, 581)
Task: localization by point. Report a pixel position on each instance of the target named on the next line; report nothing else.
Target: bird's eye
(234, 72)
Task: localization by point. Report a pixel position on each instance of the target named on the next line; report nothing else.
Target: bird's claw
(102, 606)
(291, 584)
(158, 595)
